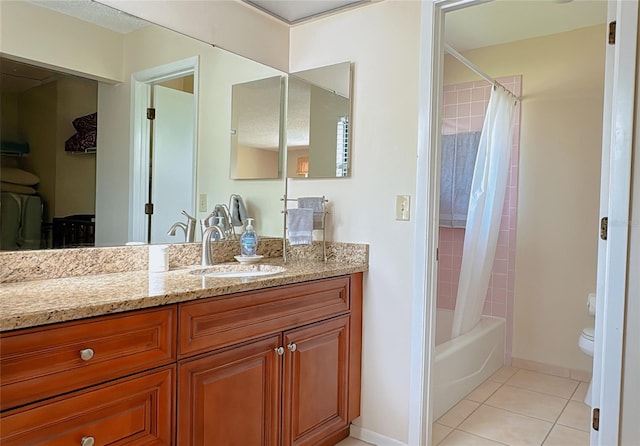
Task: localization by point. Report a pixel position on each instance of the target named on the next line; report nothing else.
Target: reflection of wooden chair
(74, 231)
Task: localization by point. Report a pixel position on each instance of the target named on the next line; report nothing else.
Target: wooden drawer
(226, 320)
(46, 361)
(134, 411)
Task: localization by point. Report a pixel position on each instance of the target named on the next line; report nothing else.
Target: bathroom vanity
(185, 360)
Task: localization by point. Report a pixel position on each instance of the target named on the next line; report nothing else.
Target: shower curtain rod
(476, 70)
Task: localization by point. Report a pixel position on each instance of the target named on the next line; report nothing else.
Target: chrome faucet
(207, 235)
(189, 228)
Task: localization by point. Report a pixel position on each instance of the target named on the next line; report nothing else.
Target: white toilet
(586, 345)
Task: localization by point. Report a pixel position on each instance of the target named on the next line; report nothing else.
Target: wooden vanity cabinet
(272, 367)
(293, 383)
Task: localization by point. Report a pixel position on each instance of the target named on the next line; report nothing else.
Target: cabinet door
(134, 411)
(316, 381)
(231, 397)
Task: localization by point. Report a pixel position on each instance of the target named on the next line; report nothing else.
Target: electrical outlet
(202, 203)
(403, 205)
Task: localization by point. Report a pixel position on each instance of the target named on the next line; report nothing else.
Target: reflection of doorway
(164, 149)
(171, 187)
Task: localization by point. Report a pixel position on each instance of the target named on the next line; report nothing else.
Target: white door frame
(141, 83)
(615, 199)
(427, 204)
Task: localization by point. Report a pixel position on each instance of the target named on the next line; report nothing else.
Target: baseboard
(563, 372)
(373, 437)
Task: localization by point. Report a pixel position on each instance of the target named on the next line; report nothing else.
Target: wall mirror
(318, 115)
(116, 68)
(256, 120)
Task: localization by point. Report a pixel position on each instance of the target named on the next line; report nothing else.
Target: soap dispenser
(249, 240)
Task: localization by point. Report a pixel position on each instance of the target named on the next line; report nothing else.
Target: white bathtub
(461, 364)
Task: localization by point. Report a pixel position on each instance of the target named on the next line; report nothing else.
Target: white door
(172, 160)
(614, 204)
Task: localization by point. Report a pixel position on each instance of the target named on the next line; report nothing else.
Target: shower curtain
(488, 188)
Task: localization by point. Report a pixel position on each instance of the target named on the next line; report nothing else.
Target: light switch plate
(202, 203)
(403, 206)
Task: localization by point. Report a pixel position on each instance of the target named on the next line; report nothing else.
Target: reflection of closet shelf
(87, 151)
(285, 200)
(14, 148)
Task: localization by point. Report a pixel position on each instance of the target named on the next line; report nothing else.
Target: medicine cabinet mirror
(255, 128)
(318, 116)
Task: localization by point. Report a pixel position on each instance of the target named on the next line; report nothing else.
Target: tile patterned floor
(515, 407)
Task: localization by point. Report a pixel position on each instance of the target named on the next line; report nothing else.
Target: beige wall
(30, 32)
(559, 183)
(385, 54)
(38, 109)
(257, 163)
(9, 129)
(227, 24)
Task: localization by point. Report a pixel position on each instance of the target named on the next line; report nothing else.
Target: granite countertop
(40, 302)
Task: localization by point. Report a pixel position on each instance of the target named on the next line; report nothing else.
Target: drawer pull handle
(87, 441)
(86, 354)
(292, 347)
(279, 351)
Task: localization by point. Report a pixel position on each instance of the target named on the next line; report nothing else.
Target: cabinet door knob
(279, 351)
(292, 347)
(86, 354)
(87, 441)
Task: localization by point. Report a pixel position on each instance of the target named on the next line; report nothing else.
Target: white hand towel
(300, 226)
(317, 205)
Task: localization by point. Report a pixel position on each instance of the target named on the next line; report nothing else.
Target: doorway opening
(163, 175)
(582, 186)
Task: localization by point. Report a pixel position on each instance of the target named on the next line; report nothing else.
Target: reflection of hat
(85, 138)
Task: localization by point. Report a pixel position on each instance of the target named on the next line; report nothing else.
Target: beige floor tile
(483, 391)
(566, 436)
(576, 415)
(539, 382)
(458, 413)
(527, 402)
(506, 427)
(580, 392)
(503, 374)
(350, 441)
(459, 438)
(439, 432)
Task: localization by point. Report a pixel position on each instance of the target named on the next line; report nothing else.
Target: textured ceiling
(95, 13)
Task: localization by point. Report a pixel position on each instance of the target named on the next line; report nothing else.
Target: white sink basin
(238, 270)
